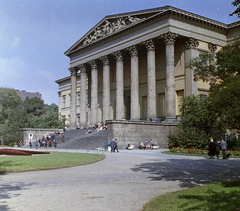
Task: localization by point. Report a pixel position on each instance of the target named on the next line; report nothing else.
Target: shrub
(188, 138)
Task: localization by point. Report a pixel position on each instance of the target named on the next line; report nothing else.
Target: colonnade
(169, 39)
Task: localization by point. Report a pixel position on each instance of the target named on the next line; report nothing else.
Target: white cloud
(16, 41)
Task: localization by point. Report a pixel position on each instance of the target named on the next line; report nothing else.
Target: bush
(188, 138)
(233, 143)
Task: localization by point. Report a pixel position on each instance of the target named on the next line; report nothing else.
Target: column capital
(149, 44)
(191, 43)
(133, 50)
(118, 55)
(105, 60)
(212, 47)
(73, 71)
(93, 64)
(169, 37)
(82, 68)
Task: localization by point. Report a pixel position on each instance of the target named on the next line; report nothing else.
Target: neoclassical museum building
(130, 71)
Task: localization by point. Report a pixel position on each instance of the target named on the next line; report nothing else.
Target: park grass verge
(221, 197)
(54, 160)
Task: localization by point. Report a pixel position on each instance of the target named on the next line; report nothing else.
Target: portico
(135, 64)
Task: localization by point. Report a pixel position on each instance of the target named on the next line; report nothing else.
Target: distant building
(64, 92)
(23, 94)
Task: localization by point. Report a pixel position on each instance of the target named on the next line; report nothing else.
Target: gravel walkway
(123, 181)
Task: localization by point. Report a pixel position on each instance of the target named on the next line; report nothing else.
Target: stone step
(77, 139)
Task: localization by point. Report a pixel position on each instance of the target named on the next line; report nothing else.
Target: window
(78, 99)
(64, 101)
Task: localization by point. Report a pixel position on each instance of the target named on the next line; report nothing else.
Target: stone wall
(133, 132)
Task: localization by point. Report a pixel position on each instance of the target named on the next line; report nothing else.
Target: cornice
(159, 12)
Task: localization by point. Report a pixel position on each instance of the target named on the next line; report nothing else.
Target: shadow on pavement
(7, 192)
(189, 172)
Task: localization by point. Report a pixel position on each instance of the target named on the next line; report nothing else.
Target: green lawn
(220, 197)
(47, 161)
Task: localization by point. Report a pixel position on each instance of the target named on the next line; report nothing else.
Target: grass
(221, 197)
(198, 152)
(53, 160)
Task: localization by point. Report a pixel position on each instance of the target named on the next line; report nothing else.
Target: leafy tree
(197, 120)
(9, 99)
(11, 130)
(196, 113)
(224, 79)
(16, 114)
(236, 3)
(34, 106)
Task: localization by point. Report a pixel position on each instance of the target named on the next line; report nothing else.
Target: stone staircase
(77, 139)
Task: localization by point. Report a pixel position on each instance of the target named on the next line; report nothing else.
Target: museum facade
(132, 66)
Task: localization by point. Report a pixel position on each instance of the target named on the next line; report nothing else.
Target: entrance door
(127, 100)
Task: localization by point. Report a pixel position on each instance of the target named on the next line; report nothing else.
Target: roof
(114, 24)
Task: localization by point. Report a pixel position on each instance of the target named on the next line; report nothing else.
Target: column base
(170, 119)
(72, 127)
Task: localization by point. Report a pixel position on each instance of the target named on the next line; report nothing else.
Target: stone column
(73, 106)
(119, 85)
(151, 74)
(169, 39)
(106, 88)
(94, 92)
(190, 53)
(134, 83)
(83, 96)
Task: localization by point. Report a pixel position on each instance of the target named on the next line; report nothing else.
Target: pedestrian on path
(223, 145)
(115, 145)
(55, 144)
(112, 145)
(106, 145)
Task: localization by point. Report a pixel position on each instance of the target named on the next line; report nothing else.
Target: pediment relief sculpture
(109, 27)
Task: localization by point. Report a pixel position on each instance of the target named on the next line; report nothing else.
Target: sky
(34, 34)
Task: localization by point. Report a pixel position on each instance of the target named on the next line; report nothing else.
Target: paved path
(123, 181)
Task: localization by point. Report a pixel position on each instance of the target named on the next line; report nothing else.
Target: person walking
(223, 145)
(212, 149)
(115, 146)
(55, 144)
(112, 145)
(36, 144)
(218, 148)
(106, 145)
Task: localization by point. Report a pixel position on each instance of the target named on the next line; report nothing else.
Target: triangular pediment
(113, 24)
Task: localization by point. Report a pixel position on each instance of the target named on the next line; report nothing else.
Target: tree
(16, 114)
(34, 106)
(223, 75)
(196, 113)
(9, 99)
(197, 120)
(236, 3)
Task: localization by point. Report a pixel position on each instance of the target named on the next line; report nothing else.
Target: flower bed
(182, 150)
(19, 152)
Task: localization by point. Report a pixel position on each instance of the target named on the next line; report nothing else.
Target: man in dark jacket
(212, 149)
